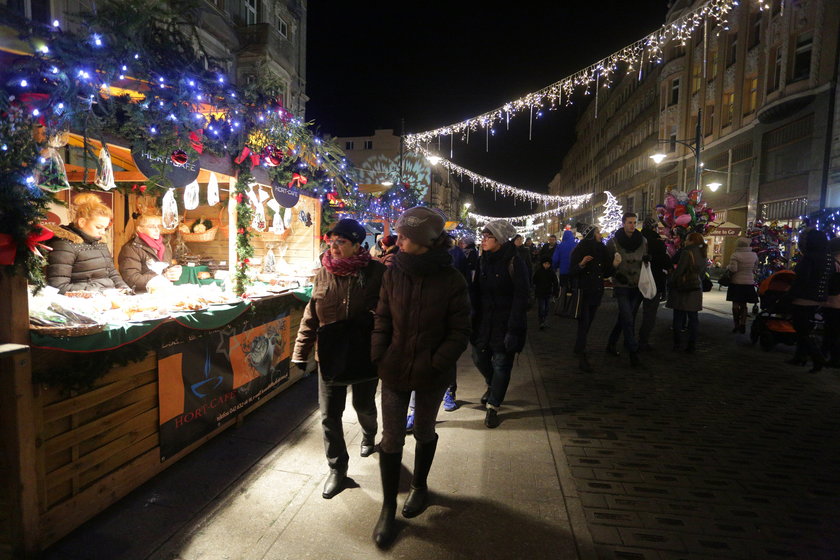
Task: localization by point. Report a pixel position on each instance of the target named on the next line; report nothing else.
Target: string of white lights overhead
(599, 74)
(573, 204)
(487, 183)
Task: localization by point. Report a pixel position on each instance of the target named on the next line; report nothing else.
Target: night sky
(434, 63)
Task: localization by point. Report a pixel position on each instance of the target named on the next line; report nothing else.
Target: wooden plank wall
(95, 447)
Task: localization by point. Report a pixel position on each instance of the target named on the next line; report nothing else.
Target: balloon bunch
(684, 213)
(771, 241)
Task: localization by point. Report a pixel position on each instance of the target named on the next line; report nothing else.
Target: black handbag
(344, 350)
(725, 278)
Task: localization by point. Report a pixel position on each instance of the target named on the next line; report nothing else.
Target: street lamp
(696, 147)
(714, 186)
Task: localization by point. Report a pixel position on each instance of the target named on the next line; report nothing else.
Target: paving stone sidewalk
(726, 453)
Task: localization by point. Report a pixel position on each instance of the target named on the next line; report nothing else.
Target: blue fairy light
(54, 70)
(97, 40)
(56, 23)
(35, 112)
(24, 83)
(153, 130)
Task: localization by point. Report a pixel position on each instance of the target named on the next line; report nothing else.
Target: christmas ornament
(191, 196)
(169, 209)
(105, 173)
(179, 157)
(272, 157)
(213, 190)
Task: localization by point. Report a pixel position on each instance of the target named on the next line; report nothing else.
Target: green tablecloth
(115, 336)
(189, 275)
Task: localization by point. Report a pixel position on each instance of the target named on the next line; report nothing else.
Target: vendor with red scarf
(144, 260)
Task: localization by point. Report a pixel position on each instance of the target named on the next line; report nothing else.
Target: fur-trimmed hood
(65, 232)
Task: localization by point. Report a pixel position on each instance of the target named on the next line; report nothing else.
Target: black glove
(646, 258)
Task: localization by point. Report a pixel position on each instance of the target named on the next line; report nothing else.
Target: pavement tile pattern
(724, 453)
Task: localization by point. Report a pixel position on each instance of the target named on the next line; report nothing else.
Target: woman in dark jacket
(660, 264)
(346, 287)
(421, 328)
(808, 291)
(144, 259)
(79, 260)
(589, 264)
(685, 295)
(499, 293)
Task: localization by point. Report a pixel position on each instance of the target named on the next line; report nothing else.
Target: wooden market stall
(68, 452)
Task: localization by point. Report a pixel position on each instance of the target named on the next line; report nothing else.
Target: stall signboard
(726, 229)
(286, 197)
(179, 174)
(209, 379)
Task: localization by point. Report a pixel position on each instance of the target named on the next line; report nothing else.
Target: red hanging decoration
(272, 156)
(247, 153)
(196, 140)
(179, 157)
(298, 180)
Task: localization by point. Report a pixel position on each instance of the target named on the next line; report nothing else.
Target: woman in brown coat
(144, 259)
(422, 327)
(346, 287)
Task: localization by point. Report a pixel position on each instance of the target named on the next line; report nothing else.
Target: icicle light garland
(501, 188)
(572, 204)
(649, 48)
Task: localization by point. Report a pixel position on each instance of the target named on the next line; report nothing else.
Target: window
(774, 80)
(249, 9)
(709, 120)
(711, 69)
(755, 29)
(35, 10)
(349, 145)
(675, 92)
(695, 76)
(282, 27)
(731, 49)
(368, 144)
(750, 94)
(727, 109)
(802, 57)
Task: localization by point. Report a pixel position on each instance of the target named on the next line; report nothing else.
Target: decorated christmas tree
(610, 220)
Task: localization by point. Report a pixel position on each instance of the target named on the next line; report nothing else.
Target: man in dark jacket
(499, 305)
(660, 264)
(546, 286)
(547, 250)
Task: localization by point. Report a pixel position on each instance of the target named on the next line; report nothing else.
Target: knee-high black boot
(389, 471)
(418, 496)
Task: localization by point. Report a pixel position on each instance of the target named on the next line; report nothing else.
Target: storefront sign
(207, 381)
(726, 231)
(180, 175)
(285, 196)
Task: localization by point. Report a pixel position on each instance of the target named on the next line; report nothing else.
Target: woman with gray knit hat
(421, 328)
(499, 295)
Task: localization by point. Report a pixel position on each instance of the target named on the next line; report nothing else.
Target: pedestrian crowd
(403, 318)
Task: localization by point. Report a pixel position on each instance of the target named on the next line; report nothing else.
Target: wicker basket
(67, 331)
(202, 237)
(224, 227)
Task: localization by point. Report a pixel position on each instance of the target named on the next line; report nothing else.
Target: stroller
(773, 323)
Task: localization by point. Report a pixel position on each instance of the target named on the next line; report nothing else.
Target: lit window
(750, 94)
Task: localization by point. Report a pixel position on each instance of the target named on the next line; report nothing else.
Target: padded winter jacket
(134, 260)
(421, 327)
(562, 253)
(79, 262)
(742, 264)
(632, 249)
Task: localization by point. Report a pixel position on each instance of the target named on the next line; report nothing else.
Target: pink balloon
(683, 220)
(670, 202)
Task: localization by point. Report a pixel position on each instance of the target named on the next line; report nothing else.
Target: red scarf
(348, 266)
(155, 244)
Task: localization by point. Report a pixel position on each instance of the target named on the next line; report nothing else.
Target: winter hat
(834, 245)
(389, 240)
(422, 225)
(585, 230)
(650, 223)
(502, 230)
(348, 229)
(743, 242)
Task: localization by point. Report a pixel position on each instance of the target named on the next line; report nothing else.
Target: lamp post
(696, 148)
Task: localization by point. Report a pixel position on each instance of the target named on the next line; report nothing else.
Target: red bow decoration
(245, 153)
(298, 179)
(179, 157)
(195, 140)
(272, 156)
(8, 248)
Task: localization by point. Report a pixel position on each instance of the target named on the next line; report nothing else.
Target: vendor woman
(144, 259)
(79, 261)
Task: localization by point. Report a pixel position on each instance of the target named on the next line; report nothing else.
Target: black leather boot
(335, 482)
(418, 496)
(389, 471)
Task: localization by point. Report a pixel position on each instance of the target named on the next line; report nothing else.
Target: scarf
(432, 261)
(630, 243)
(156, 244)
(346, 267)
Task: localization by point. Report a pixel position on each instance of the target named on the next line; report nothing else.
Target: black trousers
(803, 323)
(331, 401)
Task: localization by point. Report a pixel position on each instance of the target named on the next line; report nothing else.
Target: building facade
(380, 160)
(762, 85)
(253, 39)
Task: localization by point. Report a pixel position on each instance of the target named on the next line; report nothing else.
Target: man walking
(659, 266)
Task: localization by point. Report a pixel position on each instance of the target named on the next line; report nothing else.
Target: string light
(562, 209)
(648, 48)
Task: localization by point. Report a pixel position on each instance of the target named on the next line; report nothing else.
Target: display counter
(166, 387)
